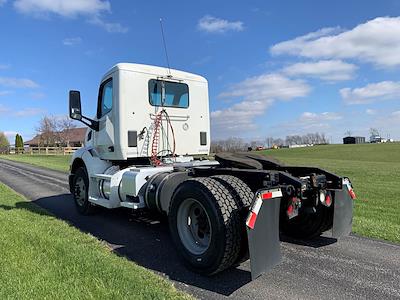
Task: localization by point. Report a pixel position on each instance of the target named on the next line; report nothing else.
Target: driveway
(354, 267)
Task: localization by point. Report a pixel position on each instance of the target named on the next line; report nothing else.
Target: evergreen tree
(21, 141)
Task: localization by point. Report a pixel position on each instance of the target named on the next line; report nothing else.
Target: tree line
(234, 144)
(51, 131)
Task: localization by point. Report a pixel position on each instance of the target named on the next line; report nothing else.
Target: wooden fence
(43, 150)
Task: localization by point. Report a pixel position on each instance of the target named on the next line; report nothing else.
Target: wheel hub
(194, 227)
(80, 190)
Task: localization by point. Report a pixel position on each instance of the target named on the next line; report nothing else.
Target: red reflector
(290, 210)
(252, 220)
(328, 200)
(352, 194)
(266, 196)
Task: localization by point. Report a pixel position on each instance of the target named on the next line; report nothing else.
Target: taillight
(325, 198)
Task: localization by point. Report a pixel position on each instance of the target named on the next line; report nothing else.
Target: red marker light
(266, 195)
(328, 200)
(290, 210)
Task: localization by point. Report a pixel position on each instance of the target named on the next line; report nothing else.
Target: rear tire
(307, 226)
(209, 240)
(243, 196)
(80, 188)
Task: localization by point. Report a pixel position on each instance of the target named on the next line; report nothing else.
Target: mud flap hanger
(343, 209)
(262, 226)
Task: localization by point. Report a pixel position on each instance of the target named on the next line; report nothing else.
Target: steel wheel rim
(194, 226)
(80, 191)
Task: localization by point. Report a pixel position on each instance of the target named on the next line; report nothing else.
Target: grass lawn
(42, 257)
(374, 170)
(55, 162)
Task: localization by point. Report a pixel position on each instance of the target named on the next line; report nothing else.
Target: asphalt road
(352, 268)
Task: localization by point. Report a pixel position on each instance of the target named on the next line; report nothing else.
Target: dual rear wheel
(206, 221)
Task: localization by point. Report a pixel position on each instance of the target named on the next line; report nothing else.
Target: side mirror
(75, 111)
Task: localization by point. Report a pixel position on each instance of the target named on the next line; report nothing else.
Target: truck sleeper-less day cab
(147, 148)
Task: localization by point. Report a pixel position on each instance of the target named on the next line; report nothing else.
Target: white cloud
(3, 109)
(330, 70)
(109, 26)
(257, 94)
(5, 93)
(18, 82)
(10, 134)
(376, 41)
(65, 8)
(370, 111)
(268, 86)
(38, 95)
(239, 117)
(373, 92)
(28, 112)
(216, 25)
(396, 114)
(309, 117)
(72, 41)
(92, 9)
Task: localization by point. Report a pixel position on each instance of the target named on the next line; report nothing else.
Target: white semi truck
(147, 149)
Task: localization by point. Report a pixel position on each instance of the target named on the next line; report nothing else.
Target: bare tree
(348, 133)
(47, 131)
(278, 142)
(64, 128)
(232, 144)
(374, 132)
(269, 141)
(4, 143)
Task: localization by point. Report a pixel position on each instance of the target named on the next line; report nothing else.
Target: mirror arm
(93, 124)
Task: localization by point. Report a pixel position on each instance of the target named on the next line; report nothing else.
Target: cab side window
(105, 98)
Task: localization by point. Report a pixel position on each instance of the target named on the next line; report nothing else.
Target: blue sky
(275, 68)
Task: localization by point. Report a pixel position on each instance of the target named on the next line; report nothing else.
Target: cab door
(104, 137)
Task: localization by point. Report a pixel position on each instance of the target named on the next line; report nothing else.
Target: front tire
(80, 188)
(205, 225)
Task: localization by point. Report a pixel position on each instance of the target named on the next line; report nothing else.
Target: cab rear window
(169, 94)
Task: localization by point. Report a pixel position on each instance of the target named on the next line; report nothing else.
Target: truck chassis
(222, 212)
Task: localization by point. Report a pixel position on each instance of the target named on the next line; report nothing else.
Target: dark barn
(354, 140)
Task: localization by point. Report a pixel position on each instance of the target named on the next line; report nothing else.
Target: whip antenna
(165, 47)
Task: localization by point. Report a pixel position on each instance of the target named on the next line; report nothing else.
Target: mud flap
(263, 231)
(343, 210)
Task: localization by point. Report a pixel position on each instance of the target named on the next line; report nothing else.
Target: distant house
(354, 140)
(377, 139)
(74, 137)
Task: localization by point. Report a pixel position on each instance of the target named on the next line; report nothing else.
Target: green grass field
(55, 162)
(374, 170)
(42, 257)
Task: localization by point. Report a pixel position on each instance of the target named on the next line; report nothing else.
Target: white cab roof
(154, 70)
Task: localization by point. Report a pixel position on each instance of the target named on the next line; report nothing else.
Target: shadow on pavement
(317, 242)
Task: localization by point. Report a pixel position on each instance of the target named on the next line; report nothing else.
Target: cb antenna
(165, 47)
